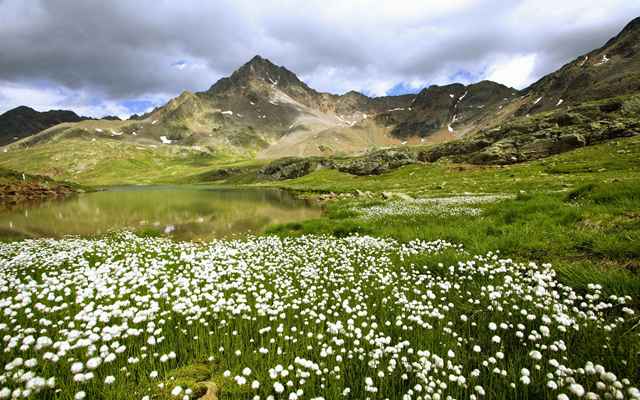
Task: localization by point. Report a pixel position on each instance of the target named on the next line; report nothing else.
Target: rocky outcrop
(372, 164)
(220, 174)
(377, 163)
(292, 167)
(17, 188)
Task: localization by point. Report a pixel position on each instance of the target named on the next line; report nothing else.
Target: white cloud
(13, 95)
(513, 70)
(341, 80)
(46, 98)
(129, 49)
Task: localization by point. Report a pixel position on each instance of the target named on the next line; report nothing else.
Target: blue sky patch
(403, 88)
(137, 106)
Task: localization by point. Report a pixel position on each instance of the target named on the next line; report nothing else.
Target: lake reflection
(184, 213)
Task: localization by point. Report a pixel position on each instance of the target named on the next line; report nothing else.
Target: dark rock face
(24, 121)
(442, 107)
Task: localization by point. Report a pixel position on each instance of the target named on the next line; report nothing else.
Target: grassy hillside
(110, 162)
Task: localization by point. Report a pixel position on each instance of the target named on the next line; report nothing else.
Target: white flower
(576, 389)
(176, 391)
(278, 387)
(80, 395)
(109, 379)
(77, 367)
(94, 362)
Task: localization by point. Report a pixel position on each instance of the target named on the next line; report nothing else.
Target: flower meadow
(313, 317)
(436, 206)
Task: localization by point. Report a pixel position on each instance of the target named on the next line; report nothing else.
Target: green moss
(193, 376)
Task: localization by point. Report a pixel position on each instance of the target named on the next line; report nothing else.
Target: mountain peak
(628, 36)
(21, 110)
(354, 93)
(258, 69)
(258, 59)
(633, 25)
(261, 68)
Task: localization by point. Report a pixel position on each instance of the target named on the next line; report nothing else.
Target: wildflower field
(495, 283)
(312, 317)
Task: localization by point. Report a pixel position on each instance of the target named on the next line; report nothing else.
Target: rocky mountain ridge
(24, 121)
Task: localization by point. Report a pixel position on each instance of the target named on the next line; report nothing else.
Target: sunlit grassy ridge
(111, 162)
(311, 317)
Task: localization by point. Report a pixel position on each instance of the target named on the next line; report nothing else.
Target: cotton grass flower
(354, 317)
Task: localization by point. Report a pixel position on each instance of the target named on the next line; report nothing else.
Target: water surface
(184, 213)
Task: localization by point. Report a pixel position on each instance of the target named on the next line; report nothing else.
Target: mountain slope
(611, 70)
(23, 121)
(455, 108)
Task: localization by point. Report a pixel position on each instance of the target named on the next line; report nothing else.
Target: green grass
(110, 162)
(579, 211)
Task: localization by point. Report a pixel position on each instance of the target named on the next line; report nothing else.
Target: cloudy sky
(122, 56)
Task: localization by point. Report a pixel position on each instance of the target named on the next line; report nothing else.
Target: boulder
(378, 162)
(502, 152)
